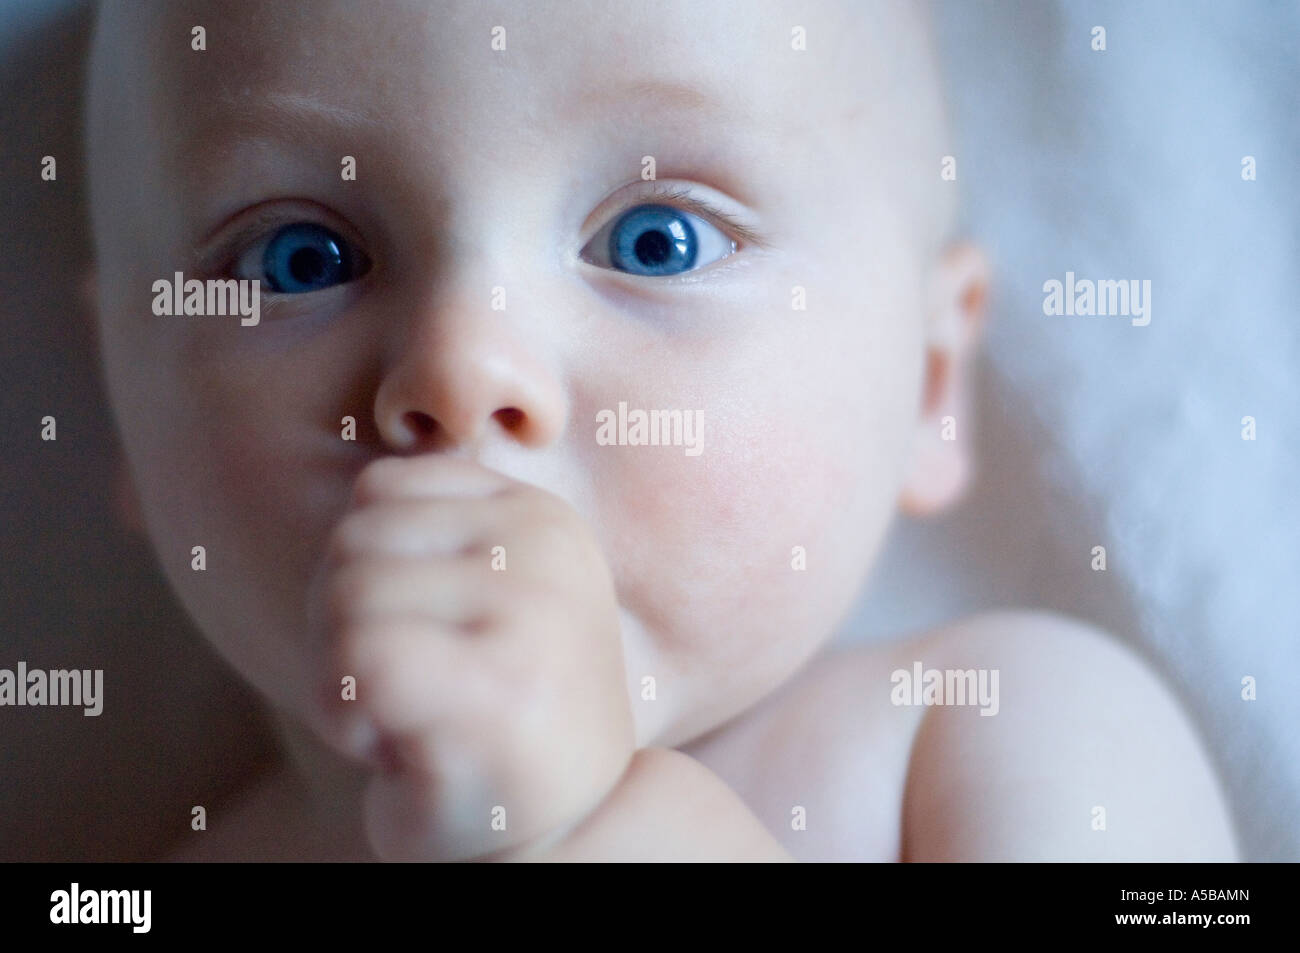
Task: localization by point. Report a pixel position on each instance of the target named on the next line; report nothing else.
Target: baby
(596, 346)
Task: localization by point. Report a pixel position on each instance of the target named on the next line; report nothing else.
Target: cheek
(705, 547)
(235, 452)
(785, 479)
(237, 456)
(807, 420)
(279, 470)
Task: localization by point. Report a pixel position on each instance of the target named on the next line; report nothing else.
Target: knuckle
(359, 650)
(554, 532)
(518, 604)
(359, 534)
(376, 482)
(508, 680)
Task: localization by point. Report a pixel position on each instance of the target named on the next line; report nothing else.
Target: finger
(425, 475)
(440, 800)
(422, 527)
(410, 817)
(394, 676)
(452, 591)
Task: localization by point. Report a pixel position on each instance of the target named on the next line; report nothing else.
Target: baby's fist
(478, 617)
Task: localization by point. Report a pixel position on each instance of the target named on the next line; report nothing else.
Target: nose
(464, 374)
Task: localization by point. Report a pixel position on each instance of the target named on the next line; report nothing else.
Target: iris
(653, 240)
(306, 257)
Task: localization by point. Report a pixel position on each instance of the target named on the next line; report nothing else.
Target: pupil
(653, 248)
(307, 265)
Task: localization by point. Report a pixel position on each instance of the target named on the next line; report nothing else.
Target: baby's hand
(479, 619)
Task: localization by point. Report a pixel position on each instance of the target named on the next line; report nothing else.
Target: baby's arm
(1088, 758)
(478, 618)
(668, 807)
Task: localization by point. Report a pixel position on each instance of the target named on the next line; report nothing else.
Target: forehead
(442, 65)
(770, 102)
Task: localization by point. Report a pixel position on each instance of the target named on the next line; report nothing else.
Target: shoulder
(1081, 753)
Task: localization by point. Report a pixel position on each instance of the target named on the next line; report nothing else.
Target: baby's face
(477, 291)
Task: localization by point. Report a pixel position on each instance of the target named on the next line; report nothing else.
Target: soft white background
(1127, 164)
(1122, 164)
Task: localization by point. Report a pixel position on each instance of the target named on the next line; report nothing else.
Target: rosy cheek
(760, 485)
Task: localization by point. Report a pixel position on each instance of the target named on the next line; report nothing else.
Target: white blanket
(1128, 164)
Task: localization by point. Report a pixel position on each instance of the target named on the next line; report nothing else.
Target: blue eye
(307, 257)
(653, 240)
(657, 241)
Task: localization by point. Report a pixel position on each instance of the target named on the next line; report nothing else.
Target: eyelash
(263, 223)
(683, 199)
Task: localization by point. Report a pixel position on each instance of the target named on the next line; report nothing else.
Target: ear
(939, 467)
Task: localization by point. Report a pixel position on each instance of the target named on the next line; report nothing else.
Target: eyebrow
(304, 114)
(663, 93)
(227, 120)
(301, 113)
(297, 104)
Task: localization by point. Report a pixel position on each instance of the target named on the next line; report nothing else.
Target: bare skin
(887, 783)
(478, 687)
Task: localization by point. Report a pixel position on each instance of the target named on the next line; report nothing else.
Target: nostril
(511, 418)
(419, 425)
